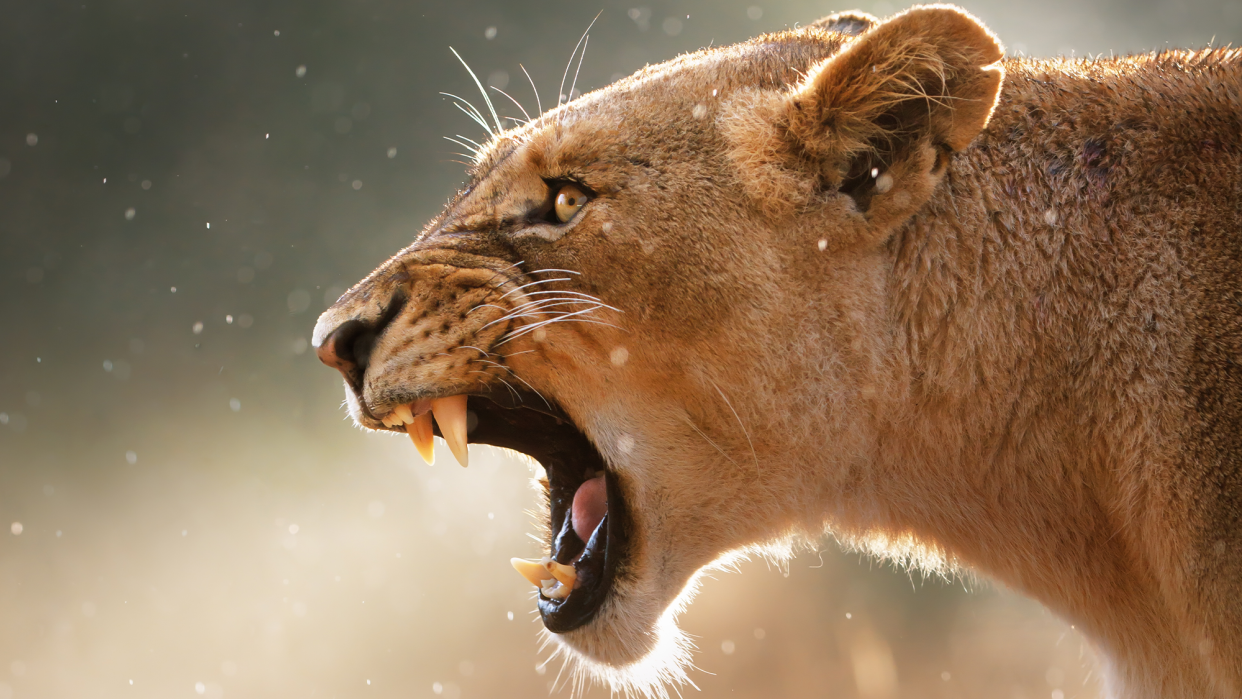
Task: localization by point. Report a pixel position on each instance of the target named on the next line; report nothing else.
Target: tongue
(590, 506)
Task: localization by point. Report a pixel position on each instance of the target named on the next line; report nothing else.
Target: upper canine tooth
(534, 571)
(419, 430)
(450, 415)
(403, 413)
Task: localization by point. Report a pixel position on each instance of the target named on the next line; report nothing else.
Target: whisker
(474, 111)
(561, 91)
(745, 431)
(463, 145)
(476, 119)
(538, 102)
(519, 104)
(486, 98)
(586, 40)
(537, 281)
(471, 141)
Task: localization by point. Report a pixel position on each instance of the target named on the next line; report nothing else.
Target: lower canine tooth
(534, 571)
(451, 417)
(564, 574)
(419, 430)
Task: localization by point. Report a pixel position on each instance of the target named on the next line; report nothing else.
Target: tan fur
(1017, 348)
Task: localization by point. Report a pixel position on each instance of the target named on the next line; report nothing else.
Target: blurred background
(184, 186)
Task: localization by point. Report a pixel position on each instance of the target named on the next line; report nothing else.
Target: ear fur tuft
(850, 23)
(927, 74)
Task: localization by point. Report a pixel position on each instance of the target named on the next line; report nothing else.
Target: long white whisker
(537, 281)
(474, 151)
(474, 111)
(538, 102)
(535, 326)
(519, 104)
(486, 98)
(561, 91)
(586, 40)
(476, 119)
(737, 417)
(476, 144)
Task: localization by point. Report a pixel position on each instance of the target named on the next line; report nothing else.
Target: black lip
(542, 431)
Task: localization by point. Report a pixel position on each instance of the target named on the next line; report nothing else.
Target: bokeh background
(184, 186)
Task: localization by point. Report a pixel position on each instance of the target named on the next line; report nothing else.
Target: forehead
(672, 98)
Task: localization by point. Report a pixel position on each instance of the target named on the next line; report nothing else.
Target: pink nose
(347, 348)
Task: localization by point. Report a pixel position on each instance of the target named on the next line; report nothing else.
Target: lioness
(864, 276)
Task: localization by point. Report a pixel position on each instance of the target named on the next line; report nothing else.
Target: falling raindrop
(130, 213)
(300, 71)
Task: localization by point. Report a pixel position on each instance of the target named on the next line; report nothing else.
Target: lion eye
(569, 199)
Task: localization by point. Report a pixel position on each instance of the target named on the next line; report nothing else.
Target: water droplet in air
(130, 213)
(16, 528)
(727, 647)
(392, 152)
(234, 405)
(754, 13)
(197, 328)
(131, 457)
(357, 184)
(300, 72)
(489, 33)
(32, 139)
(200, 688)
(107, 365)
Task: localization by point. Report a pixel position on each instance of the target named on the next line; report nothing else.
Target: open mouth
(588, 523)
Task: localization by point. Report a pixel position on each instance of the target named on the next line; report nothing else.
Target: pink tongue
(590, 506)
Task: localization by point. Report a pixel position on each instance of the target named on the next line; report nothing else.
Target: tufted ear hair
(915, 87)
(850, 23)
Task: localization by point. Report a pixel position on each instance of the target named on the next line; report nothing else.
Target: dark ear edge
(929, 75)
(850, 23)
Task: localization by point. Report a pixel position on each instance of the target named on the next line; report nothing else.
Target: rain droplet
(276, 33)
(234, 405)
(619, 356)
(727, 647)
(300, 72)
(356, 184)
(510, 615)
(392, 152)
(32, 139)
(293, 528)
(883, 183)
(146, 184)
(107, 365)
(130, 213)
(16, 528)
(197, 328)
(131, 457)
(489, 33)
(228, 319)
(754, 13)
(200, 688)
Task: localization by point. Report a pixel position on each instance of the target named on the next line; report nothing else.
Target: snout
(345, 335)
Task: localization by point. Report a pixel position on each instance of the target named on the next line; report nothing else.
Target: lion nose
(347, 348)
(347, 345)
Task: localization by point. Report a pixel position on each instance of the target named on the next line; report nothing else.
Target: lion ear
(907, 89)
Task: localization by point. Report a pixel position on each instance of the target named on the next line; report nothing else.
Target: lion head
(669, 292)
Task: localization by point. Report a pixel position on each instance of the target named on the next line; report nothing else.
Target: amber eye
(569, 198)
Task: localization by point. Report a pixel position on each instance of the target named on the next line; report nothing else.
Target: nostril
(360, 349)
(349, 347)
(339, 349)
